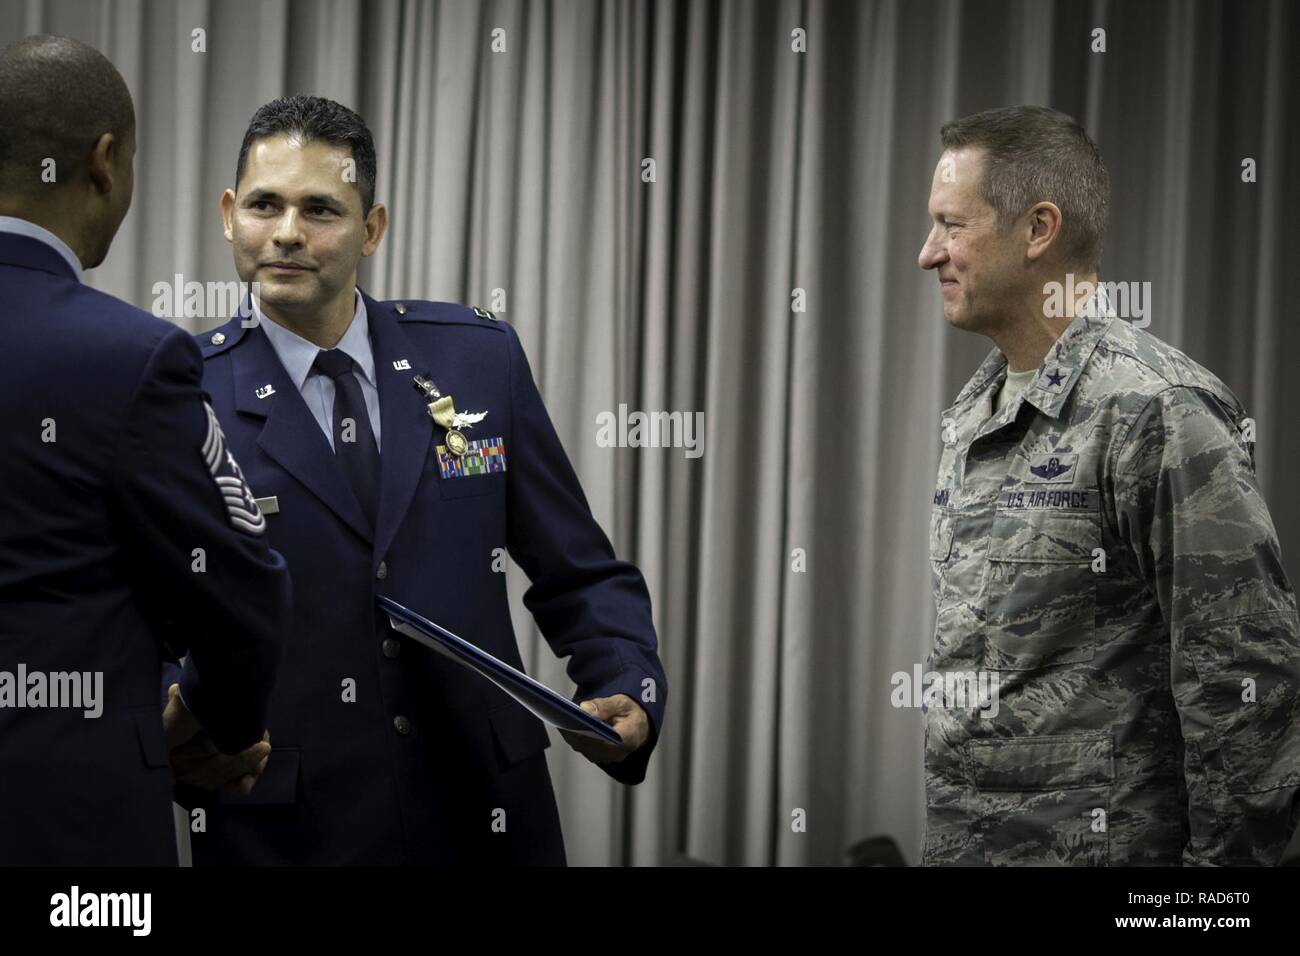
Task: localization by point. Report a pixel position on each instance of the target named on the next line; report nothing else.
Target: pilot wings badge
(467, 419)
(442, 409)
(1053, 468)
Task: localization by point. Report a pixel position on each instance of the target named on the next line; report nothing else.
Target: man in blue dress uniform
(375, 483)
(125, 523)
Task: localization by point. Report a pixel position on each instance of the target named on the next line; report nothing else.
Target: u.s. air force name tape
(241, 506)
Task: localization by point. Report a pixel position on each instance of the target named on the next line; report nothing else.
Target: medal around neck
(442, 409)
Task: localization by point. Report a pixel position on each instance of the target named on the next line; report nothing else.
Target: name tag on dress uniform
(482, 457)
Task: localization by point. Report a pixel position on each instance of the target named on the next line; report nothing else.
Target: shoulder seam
(1169, 387)
(1146, 365)
(472, 315)
(138, 389)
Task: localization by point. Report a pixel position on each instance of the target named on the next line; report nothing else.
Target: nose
(288, 230)
(932, 254)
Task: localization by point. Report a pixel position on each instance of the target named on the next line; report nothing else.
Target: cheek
(244, 231)
(959, 254)
(339, 247)
(970, 254)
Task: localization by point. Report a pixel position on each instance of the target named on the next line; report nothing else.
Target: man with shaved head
(127, 532)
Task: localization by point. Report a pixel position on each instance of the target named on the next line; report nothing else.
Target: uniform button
(392, 647)
(401, 309)
(382, 572)
(401, 725)
(218, 338)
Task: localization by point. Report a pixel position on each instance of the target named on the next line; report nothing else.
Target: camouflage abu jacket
(1103, 561)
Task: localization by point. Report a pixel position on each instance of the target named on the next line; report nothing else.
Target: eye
(261, 205)
(320, 211)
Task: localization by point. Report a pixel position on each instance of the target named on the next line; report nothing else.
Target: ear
(102, 157)
(228, 213)
(1044, 228)
(376, 226)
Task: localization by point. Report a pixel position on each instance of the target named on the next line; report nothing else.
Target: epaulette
(215, 341)
(419, 310)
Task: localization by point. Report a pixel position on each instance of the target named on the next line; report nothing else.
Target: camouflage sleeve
(1189, 506)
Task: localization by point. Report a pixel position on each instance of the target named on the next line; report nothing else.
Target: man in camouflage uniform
(1099, 546)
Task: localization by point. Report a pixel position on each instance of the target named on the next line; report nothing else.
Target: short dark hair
(1036, 154)
(58, 96)
(316, 118)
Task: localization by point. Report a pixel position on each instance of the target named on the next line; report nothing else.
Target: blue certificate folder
(536, 696)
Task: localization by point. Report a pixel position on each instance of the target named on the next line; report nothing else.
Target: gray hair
(1035, 154)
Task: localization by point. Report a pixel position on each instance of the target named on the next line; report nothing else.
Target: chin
(97, 257)
(286, 297)
(957, 319)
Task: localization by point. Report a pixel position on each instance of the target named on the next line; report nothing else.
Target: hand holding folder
(540, 700)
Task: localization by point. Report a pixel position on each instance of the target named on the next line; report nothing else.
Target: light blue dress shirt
(297, 355)
(21, 227)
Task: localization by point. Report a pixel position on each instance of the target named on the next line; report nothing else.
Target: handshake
(196, 760)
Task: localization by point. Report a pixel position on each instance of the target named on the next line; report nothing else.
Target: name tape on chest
(1082, 500)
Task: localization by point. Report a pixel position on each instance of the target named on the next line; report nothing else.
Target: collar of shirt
(1060, 368)
(21, 227)
(297, 354)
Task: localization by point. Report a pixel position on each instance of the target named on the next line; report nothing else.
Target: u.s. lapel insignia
(266, 391)
(402, 365)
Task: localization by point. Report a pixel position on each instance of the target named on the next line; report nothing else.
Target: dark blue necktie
(354, 447)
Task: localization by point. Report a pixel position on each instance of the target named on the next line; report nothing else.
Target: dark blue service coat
(384, 751)
(126, 535)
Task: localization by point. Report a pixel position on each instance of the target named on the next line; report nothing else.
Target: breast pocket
(1041, 597)
(471, 486)
(941, 527)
